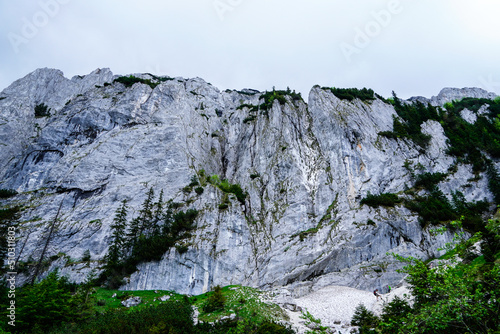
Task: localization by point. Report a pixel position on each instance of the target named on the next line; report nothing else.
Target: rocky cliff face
(305, 167)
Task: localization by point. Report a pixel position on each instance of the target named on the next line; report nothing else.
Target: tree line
(158, 226)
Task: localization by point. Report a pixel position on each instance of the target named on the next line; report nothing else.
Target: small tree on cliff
(116, 251)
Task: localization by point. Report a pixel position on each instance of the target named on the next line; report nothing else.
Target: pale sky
(414, 47)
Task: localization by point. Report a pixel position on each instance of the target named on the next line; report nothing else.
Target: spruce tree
(142, 223)
(116, 251)
(146, 213)
(158, 216)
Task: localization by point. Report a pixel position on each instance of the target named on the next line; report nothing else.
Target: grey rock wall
(301, 224)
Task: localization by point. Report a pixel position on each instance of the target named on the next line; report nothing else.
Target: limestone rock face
(305, 167)
(449, 94)
(132, 301)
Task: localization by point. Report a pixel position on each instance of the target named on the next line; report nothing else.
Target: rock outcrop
(305, 167)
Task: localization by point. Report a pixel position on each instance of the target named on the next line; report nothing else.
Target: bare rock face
(449, 94)
(305, 168)
(132, 301)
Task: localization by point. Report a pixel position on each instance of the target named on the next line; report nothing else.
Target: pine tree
(133, 234)
(365, 319)
(116, 251)
(146, 213)
(142, 223)
(158, 216)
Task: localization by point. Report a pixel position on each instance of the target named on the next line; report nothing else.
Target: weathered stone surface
(449, 94)
(132, 301)
(305, 167)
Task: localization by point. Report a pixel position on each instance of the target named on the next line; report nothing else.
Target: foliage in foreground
(452, 297)
(47, 303)
(56, 306)
(169, 317)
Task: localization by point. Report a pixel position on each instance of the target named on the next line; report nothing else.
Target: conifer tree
(158, 215)
(116, 251)
(141, 223)
(146, 213)
(132, 235)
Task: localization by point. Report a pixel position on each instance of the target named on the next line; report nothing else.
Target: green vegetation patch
(229, 188)
(9, 213)
(384, 199)
(280, 96)
(428, 180)
(148, 297)
(6, 193)
(249, 119)
(131, 80)
(42, 110)
(168, 317)
(242, 307)
(251, 107)
(459, 295)
(158, 227)
(245, 302)
(411, 117)
(468, 141)
(349, 94)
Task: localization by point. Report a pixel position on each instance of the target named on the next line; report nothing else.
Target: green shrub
(41, 110)
(229, 188)
(385, 199)
(388, 134)
(457, 298)
(86, 256)
(47, 303)
(9, 213)
(249, 119)
(223, 206)
(280, 96)
(194, 181)
(432, 208)
(6, 193)
(493, 181)
(243, 326)
(251, 107)
(428, 180)
(131, 80)
(466, 141)
(269, 327)
(198, 190)
(411, 117)
(470, 212)
(182, 249)
(215, 302)
(349, 94)
(168, 317)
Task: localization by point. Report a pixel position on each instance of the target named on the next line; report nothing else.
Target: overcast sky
(414, 47)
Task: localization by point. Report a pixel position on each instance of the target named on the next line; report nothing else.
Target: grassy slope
(245, 302)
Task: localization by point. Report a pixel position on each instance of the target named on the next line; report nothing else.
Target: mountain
(302, 170)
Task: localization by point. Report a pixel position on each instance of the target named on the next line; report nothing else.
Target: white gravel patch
(335, 306)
